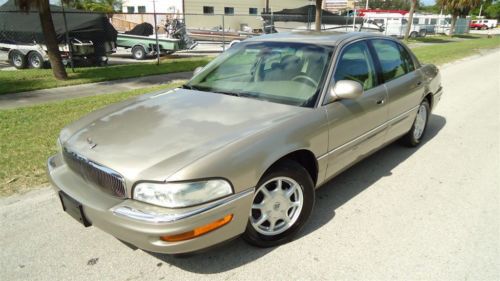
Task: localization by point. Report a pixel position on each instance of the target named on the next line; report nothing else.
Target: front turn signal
(199, 230)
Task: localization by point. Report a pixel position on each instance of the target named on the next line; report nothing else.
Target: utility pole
(156, 33)
(480, 9)
(367, 1)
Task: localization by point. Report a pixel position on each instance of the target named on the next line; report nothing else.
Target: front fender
(244, 161)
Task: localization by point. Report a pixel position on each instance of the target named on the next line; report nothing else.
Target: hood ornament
(91, 143)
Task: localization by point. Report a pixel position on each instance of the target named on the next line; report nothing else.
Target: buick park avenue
(241, 147)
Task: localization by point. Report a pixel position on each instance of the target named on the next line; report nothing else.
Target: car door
(404, 83)
(356, 126)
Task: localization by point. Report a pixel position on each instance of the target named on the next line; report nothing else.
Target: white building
(162, 6)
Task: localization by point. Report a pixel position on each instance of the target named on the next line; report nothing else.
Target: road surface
(427, 213)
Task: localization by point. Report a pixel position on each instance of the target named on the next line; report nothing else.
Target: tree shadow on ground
(331, 196)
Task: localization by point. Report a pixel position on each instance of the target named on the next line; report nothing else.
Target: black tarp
(143, 29)
(307, 14)
(18, 27)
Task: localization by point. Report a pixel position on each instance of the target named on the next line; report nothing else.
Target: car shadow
(331, 196)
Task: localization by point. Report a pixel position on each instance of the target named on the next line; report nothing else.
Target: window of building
(208, 10)
(130, 9)
(252, 11)
(229, 10)
(141, 9)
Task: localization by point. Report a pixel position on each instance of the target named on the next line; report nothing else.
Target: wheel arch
(303, 157)
(430, 99)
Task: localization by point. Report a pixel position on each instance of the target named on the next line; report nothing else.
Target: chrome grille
(109, 180)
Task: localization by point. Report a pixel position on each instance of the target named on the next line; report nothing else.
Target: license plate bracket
(73, 208)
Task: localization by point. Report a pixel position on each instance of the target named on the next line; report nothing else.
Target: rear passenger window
(356, 64)
(394, 59)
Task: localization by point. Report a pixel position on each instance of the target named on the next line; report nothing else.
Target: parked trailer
(35, 55)
(142, 46)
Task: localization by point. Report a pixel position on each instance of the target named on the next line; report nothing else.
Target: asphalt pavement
(429, 213)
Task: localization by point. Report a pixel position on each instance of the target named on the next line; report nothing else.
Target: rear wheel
(17, 59)
(139, 52)
(35, 60)
(422, 33)
(282, 203)
(414, 34)
(417, 131)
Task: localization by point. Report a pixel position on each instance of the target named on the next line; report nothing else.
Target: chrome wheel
(420, 122)
(276, 206)
(17, 59)
(35, 62)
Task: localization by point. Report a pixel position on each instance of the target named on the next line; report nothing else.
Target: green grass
(28, 136)
(36, 79)
(451, 51)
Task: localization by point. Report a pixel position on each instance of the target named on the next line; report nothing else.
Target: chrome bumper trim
(150, 217)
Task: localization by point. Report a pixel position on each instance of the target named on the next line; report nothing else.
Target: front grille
(107, 179)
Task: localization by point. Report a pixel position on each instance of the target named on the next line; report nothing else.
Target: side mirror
(197, 70)
(346, 89)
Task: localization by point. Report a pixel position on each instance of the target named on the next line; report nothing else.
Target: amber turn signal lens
(199, 230)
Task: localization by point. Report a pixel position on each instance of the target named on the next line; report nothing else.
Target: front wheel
(417, 131)
(17, 59)
(282, 203)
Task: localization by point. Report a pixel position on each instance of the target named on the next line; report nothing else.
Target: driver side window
(355, 64)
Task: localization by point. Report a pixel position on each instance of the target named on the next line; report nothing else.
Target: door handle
(380, 102)
(419, 83)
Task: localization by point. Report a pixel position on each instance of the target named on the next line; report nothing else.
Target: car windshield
(282, 72)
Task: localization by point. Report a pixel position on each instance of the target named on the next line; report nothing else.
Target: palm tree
(457, 8)
(410, 19)
(49, 34)
(319, 4)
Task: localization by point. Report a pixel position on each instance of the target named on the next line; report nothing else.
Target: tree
(106, 6)
(410, 19)
(390, 5)
(319, 5)
(49, 34)
(457, 8)
(493, 11)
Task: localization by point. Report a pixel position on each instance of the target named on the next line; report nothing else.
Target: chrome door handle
(380, 101)
(419, 83)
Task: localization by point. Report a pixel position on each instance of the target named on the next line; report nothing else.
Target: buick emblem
(91, 143)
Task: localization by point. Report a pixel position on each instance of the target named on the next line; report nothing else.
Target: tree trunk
(318, 14)
(410, 19)
(453, 23)
(49, 34)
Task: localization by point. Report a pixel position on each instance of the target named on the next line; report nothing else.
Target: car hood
(154, 137)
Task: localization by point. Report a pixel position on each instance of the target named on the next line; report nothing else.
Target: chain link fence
(92, 37)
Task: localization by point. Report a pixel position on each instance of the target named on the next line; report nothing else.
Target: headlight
(181, 194)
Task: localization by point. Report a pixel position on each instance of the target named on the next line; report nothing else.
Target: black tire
(284, 170)
(413, 139)
(139, 52)
(484, 27)
(422, 33)
(414, 34)
(17, 59)
(35, 60)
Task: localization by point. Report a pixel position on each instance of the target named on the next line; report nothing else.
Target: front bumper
(141, 224)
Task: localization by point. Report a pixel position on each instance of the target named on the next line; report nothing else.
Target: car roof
(328, 38)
